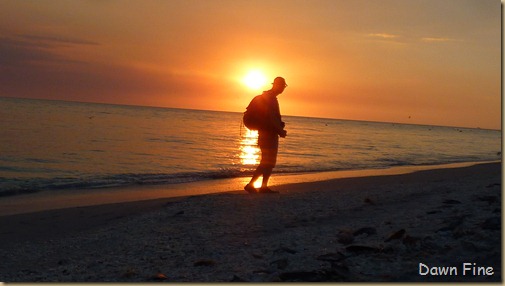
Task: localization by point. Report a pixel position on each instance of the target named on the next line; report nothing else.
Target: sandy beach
(427, 226)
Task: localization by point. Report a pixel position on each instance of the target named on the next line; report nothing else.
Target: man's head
(279, 85)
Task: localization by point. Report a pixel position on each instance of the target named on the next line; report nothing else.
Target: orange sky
(423, 62)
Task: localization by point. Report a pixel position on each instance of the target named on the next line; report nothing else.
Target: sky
(407, 61)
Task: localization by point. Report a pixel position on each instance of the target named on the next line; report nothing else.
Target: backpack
(254, 115)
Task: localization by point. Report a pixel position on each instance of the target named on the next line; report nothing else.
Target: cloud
(56, 40)
(41, 65)
(15, 52)
(383, 36)
(437, 40)
(36, 67)
(27, 50)
(410, 39)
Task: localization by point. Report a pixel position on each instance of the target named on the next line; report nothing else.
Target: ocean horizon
(63, 145)
(241, 112)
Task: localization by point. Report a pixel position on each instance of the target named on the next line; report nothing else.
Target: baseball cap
(279, 81)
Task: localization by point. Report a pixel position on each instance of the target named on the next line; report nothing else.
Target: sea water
(49, 145)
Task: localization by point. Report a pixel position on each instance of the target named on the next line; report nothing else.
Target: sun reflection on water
(249, 151)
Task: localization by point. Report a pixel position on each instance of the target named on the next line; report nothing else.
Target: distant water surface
(68, 145)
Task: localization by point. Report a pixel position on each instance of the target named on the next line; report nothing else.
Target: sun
(255, 80)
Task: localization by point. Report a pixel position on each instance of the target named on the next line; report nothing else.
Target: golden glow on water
(249, 151)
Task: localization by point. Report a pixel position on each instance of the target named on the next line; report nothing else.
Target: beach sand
(366, 229)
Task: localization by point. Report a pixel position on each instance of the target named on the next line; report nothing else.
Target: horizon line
(287, 115)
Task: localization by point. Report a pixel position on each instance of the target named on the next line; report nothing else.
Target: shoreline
(365, 229)
(61, 199)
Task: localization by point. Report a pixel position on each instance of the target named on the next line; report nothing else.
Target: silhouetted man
(268, 136)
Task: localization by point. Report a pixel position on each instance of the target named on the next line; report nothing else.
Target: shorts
(269, 146)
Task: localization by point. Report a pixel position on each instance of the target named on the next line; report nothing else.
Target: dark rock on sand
(345, 237)
(179, 213)
(158, 277)
(332, 257)
(285, 249)
(397, 235)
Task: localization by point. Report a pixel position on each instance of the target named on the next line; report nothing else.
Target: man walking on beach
(268, 136)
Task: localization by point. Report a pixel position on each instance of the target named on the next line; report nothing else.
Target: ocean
(57, 145)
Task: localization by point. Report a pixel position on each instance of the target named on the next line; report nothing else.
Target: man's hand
(283, 133)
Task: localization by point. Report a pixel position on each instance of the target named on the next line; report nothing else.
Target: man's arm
(277, 122)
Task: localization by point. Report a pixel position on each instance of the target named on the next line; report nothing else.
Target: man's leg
(269, 144)
(268, 160)
(257, 173)
(267, 172)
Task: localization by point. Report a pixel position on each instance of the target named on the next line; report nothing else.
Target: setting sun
(255, 80)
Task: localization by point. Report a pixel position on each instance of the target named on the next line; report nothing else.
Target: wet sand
(367, 229)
